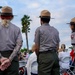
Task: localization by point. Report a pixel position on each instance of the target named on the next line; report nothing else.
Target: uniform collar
(45, 24)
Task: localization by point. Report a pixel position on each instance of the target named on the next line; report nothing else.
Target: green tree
(71, 47)
(25, 21)
(23, 50)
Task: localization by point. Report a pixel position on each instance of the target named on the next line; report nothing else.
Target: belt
(33, 74)
(50, 50)
(6, 53)
(5, 50)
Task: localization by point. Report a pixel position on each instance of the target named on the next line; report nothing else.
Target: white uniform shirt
(64, 60)
(32, 66)
(73, 38)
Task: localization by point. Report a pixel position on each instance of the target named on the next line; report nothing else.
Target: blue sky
(61, 10)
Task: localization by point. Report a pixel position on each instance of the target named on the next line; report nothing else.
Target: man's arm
(36, 49)
(18, 46)
(57, 46)
(16, 50)
(58, 40)
(37, 41)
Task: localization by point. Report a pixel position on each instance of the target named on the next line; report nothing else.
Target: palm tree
(25, 21)
(0, 7)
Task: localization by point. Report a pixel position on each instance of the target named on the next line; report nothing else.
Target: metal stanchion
(74, 56)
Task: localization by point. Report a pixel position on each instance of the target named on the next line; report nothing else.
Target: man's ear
(12, 17)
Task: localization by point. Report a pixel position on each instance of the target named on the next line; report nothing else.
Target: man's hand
(5, 63)
(2, 60)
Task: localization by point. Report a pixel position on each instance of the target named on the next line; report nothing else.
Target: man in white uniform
(64, 58)
(32, 63)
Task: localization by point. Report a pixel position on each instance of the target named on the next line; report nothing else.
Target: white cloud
(33, 5)
(30, 4)
(61, 2)
(3, 3)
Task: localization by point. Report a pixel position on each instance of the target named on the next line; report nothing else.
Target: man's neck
(44, 23)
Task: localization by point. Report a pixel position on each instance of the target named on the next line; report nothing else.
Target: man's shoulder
(33, 54)
(37, 29)
(64, 53)
(54, 29)
(32, 57)
(14, 26)
(61, 52)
